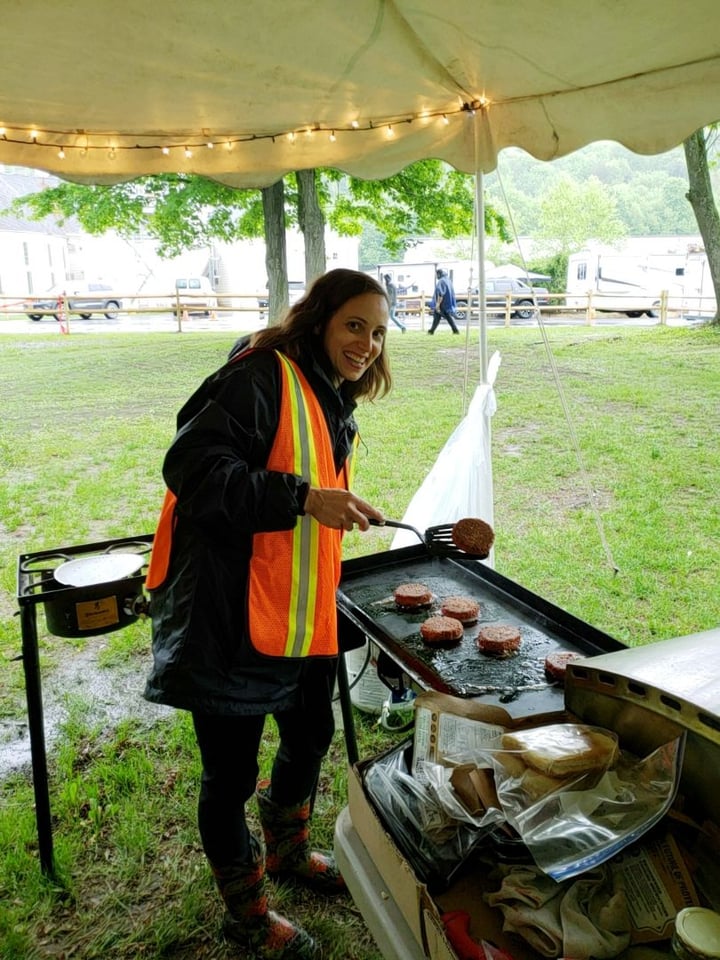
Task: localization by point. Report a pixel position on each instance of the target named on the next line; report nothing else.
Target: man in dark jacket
(443, 302)
(245, 564)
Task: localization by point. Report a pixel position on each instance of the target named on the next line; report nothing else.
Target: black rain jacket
(202, 656)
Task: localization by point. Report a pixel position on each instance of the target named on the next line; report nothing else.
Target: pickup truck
(524, 298)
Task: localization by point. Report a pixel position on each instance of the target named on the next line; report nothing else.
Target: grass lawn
(605, 462)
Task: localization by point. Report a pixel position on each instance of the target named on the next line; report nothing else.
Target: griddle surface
(366, 596)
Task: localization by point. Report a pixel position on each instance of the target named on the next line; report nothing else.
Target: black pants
(438, 315)
(229, 752)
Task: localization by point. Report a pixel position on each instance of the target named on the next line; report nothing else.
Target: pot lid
(103, 568)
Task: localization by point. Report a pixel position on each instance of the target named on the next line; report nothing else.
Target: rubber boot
(248, 921)
(286, 831)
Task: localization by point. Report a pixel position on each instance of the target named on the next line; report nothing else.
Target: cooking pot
(96, 594)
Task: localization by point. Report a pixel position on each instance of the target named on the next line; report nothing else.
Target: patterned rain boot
(288, 854)
(248, 921)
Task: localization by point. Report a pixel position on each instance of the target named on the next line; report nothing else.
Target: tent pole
(480, 228)
(482, 304)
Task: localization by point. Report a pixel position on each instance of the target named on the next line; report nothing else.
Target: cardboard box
(398, 875)
(423, 912)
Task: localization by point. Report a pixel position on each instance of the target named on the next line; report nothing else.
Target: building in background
(41, 256)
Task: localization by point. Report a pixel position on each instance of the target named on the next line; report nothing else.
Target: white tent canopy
(244, 92)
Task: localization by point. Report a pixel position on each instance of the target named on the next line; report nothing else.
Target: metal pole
(347, 712)
(480, 218)
(33, 691)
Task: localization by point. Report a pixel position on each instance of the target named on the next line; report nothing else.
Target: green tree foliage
(179, 211)
(427, 198)
(185, 211)
(649, 191)
(573, 213)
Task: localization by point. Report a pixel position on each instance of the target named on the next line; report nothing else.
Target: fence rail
(500, 308)
(506, 307)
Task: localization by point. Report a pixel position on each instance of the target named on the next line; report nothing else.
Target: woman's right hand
(339, 509)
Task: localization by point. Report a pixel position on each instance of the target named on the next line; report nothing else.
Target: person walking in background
(443, 303)
(392, 297)
(243, 576)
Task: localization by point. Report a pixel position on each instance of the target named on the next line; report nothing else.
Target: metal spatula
(437, 540)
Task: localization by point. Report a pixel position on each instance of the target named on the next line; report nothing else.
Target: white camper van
(196, 294)
(625, 283)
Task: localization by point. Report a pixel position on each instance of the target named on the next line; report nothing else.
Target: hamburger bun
(564, 749)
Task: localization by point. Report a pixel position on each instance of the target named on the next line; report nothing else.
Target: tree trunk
(702, 201)
(273, 201)
(312, 224)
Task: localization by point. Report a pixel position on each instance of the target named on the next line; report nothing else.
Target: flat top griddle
(518, 683)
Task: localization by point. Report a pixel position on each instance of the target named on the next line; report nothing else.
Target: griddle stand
(36, 584)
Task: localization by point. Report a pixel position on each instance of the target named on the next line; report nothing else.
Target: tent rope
(584, 474)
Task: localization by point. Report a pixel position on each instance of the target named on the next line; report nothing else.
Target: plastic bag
(459, 483)
(433, 842)
(586, 818)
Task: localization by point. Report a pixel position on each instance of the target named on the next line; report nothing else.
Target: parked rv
(631, 284)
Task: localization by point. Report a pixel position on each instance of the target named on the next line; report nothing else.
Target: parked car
(196, 294)
(523, 302)
(296, 290)
(82, 298)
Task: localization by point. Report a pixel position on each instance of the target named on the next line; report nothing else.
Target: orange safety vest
(294, 573)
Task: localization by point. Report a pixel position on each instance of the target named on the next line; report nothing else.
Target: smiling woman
(258, 480)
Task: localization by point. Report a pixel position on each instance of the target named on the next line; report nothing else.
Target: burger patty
(499, 641)
(556, 663)
(439, 630)
(412, 595)
(464, 609)
(473, 536)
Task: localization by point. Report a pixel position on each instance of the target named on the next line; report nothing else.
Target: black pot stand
(37, 584)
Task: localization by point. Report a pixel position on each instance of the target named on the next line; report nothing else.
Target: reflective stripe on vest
(294, 573)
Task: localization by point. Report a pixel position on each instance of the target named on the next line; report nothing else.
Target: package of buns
(542, 760)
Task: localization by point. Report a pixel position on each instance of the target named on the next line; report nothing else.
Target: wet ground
(102, 695)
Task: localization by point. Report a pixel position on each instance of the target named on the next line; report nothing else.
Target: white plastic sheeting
(459, 483)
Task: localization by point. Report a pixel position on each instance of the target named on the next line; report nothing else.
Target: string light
(64, 141)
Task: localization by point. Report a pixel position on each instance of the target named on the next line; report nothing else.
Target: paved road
(249, 320)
